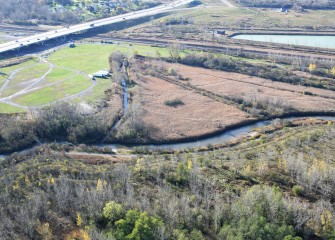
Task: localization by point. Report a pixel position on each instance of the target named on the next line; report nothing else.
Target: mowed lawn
(6, 71)
(23, 77)
(67, 78)
(59, 74)
(90, 58)
(56, 92)
(6, 108)
(2, 80)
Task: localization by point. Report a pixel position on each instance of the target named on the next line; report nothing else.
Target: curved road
(40, 38)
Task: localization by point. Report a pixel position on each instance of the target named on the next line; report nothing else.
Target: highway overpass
(40, 38)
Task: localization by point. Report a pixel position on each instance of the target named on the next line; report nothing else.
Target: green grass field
(53, 93)
(57, 74)
(6, 108)
(8, 70)
(91, 58)
(22, 78)
(66, 79)
(2, 79)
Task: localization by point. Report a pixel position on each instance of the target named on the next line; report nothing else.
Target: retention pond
(321, 41)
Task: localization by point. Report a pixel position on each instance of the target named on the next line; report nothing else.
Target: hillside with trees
(64, 11)
(279, 186)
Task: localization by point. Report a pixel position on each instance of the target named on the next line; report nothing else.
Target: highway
(39, 38)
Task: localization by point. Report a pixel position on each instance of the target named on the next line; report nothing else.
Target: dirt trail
(229, 4)
(98, 158)
(35, 84)
(38, 80)
(12, 75)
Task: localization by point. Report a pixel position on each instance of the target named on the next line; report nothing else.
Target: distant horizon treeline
(55, 12)
(25, 11)
(310, 4)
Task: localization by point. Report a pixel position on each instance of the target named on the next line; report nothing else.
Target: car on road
(92, 25)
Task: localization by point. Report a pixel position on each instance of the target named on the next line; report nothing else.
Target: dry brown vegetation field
(115, 99)
(208, 100)
(239, 85)
(198, 115)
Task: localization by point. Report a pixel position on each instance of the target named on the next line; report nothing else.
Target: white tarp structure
(101, 74)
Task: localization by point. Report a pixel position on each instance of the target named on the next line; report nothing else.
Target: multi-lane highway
(39, 38)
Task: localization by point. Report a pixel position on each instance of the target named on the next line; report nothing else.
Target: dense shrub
(174, 102)
(258, 214)
(132, 224)
(260, 70)
(60, 122)
(297, 190)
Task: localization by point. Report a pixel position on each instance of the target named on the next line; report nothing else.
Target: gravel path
(35, 84)
(228, 3)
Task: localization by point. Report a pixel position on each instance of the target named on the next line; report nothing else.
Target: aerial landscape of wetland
(167, 120)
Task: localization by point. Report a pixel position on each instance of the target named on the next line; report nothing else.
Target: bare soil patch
(97, 159)
(197, 116)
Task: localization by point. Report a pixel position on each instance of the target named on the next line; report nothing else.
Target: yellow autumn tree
(332, 71)
(189, 164)
(247, 170)
(79, 220)
(139, 164)
(51, 180)
(45, 231)
(327, 221)
(86, 236)
(100, 186)
(312, 67)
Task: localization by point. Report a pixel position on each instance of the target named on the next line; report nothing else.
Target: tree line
(27, 11)
(310, 4)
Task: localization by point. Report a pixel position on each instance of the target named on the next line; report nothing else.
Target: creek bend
(215, 139)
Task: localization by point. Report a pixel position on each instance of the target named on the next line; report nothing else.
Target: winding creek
(125, 103)
(322, 41)
(212, 140)
(125, 95)
(216, 139)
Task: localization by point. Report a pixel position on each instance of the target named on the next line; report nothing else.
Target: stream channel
(212, 140)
